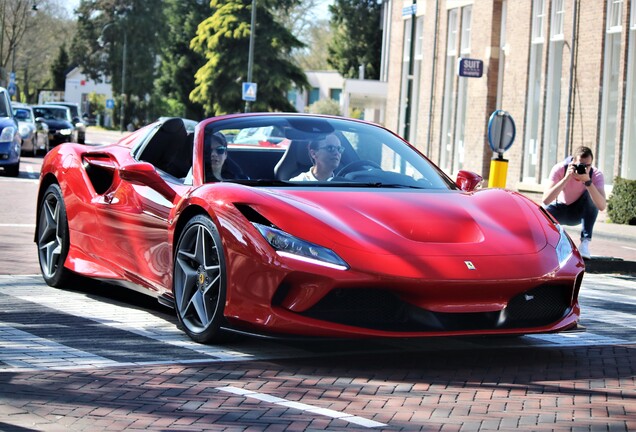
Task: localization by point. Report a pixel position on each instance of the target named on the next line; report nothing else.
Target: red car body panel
(443, 251)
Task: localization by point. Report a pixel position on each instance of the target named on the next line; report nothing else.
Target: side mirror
(145, 174)
(468, 181)
(39, 119)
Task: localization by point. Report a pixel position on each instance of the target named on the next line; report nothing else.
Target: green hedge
(621, 205)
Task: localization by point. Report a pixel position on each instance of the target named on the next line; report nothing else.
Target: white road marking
(303, 407)
(16, 225)
(136, 321)
(31, 172)
(18, 179)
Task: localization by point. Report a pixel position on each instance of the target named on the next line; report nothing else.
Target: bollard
(498, 172)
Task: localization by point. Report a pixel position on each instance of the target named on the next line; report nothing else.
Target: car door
(133, 216)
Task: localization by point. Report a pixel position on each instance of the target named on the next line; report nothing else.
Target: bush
(324, 106)
(621, 205)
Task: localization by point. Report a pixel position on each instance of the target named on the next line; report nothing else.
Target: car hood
(414, 222)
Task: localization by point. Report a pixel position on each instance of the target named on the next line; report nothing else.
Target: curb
(610, 265)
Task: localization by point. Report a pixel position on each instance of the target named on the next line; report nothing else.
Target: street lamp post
(123, 77)
(250, 56)
(122, 112)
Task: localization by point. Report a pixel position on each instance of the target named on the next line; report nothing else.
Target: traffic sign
(249, 91)
(110, 103)
(12, 89)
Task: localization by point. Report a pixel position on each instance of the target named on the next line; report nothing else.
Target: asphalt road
(95, 357)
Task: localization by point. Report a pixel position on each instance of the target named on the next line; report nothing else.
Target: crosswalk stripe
(20, 349)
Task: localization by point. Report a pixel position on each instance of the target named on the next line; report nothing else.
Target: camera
(580, 168)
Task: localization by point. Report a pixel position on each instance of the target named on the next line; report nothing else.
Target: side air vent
(252, 215)
(100, 170)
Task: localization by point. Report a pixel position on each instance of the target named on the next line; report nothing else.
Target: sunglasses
(220, 150)
(332, 148)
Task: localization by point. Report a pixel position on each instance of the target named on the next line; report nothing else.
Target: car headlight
(7, 134)
(564, 247)
(292, 247)
(65, 131)
(24, 131)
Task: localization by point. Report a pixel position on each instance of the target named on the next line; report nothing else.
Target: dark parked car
(58, 119)
(76, 119)
(10, 141)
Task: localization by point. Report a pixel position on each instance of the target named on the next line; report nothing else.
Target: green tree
(104, 29)
(179, 63)
(318, 38)
(223, 39)
(46, 30)
(357, 39)
(59, 68)
(311, 30)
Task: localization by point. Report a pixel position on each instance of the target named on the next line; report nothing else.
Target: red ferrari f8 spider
(240, 232)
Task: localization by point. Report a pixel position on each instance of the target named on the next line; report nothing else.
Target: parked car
(10, 141)
(35, 134)
(76, 118)
(388, 247)
(58, 120)
(271, 135)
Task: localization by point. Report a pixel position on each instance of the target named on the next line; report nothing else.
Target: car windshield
(278, 149)
(52, 113)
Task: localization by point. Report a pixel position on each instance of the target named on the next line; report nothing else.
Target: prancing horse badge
(470, 265)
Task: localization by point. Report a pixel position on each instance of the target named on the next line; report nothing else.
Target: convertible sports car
(388, 247)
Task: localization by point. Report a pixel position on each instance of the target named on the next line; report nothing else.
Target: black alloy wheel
(53, 239)
(199, 280)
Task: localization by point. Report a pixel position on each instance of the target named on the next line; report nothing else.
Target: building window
(531, 142)
(462, 92)
(448, 106)
(553, 90)
(386, 32)
(502, 53)
(291, 96)
(314, 95)
(335, 94)
(629, 125)
(609, 101)
(411, 68)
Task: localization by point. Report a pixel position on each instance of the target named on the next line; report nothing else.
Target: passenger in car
(325, 155)
(218, 167)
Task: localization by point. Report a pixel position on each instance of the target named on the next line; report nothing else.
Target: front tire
(13, 170)
(53, 238)
(199, 280)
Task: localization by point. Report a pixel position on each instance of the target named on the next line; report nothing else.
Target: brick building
(565, 70)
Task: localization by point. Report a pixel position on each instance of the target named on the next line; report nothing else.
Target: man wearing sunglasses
(576, 194)
(325, 154)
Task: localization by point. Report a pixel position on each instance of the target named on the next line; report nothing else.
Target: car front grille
(383, 310)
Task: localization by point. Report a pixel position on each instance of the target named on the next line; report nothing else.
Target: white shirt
(307, 176)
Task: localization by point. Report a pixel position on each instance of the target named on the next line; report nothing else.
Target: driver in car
(325, 155)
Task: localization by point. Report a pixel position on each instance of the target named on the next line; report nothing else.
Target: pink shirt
(574, 189)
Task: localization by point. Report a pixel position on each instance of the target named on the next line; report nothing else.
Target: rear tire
(53, 238)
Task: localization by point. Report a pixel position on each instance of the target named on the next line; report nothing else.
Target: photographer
(576, 194)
